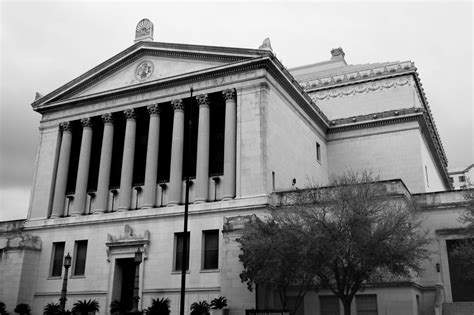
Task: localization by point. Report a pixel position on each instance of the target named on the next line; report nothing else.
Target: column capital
(86, 122)
(129, 113)
(107, 118)
(203, 100)
(229, 94)
(177, 104)
(153, 110)
(65, 126)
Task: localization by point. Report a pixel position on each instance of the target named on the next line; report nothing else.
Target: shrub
(219, 303)
(23, 309)
(85, 307)
(159, 307)
(200, 308)
(52, 309)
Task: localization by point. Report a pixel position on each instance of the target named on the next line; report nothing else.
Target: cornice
(271, 65)
(393, 117)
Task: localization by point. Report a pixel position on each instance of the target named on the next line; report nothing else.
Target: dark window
(80, 254)
(97, 135)
(189, 158)
(462, 178)
(178, 258)
(57, 259)
(141, 142)
(74, 157)
(117, 150)
(166, 135)
(216, 137)
(451, 180)
(318, 152)
(462, 288)
(366, 304)
(211, 249)
(329, 305)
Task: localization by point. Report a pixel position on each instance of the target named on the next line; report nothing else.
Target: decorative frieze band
(358, 75)
(362, 88)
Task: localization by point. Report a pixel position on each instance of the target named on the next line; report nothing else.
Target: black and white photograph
(236, 157)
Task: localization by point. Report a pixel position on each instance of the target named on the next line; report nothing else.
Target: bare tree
(348, 233)
(276, 256)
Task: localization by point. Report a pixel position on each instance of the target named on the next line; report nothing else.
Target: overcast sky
(46, 44)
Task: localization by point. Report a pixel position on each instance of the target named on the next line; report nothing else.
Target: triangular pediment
(147, 62)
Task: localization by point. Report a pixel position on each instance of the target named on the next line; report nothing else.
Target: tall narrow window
(178, 257)
(318, 152)
(80, 253)
(427, 179)
(57, 259)
(366, 304)
(329, 305)
(211, 249)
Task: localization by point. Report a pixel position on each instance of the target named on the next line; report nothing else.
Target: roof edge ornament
(144, 31)
(266, 45)
(337, 54)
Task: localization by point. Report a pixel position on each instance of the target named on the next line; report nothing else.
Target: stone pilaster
(105, 164)
(125, 194)
(151, 171)
(230, 143)
(202, 160)
(62, 171)
(177, 146)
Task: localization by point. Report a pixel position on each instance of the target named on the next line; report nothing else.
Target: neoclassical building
(115, 150)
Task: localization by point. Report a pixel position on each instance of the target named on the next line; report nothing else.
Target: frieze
(358, 75)
(362, 88)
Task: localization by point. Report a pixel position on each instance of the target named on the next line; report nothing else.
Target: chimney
(337, 54)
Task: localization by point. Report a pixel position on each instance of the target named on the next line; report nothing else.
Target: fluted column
(230, 142)
(105, 164)
(80, 196)
(126, 178)
(62, 171)
(177, 145)
(202, 160)
(151, 171)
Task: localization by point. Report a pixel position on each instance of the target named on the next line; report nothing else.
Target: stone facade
(106, 136)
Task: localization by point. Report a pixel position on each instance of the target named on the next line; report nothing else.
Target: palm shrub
(159, 306)
(85, 307)
(200, 308)
(52, 309)
(23, 309)
(118, 307)
(3, 309)
(219, 303)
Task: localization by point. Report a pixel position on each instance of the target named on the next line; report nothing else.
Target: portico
(131, 195)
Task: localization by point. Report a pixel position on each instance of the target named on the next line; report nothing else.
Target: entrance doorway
(462, 287)
(124, 278)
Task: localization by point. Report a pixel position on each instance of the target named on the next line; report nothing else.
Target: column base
(148, 206)
(98, 211)
(197, 201)
(75, 214)
(55, 216)
(225, 198)
(172, 204)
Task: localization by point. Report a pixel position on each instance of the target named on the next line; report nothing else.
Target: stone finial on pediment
(38, 96)
(266, 45)
(144, 31)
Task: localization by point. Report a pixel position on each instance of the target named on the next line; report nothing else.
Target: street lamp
(137, 259)
(67, 264)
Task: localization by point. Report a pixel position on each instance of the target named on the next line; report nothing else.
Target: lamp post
(138, 259)
(67, 264)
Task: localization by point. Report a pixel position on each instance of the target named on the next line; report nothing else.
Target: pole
(186, 204)
(62, 300)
